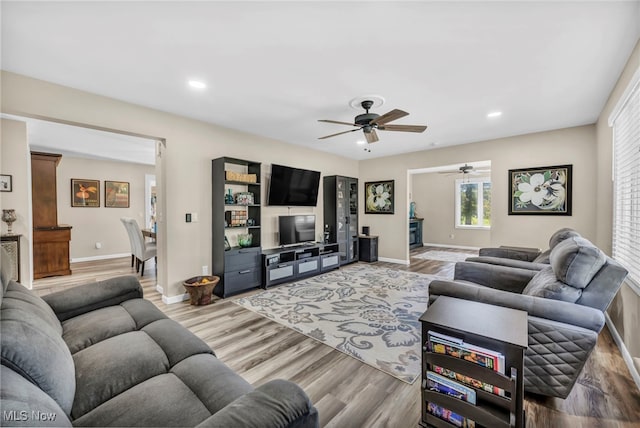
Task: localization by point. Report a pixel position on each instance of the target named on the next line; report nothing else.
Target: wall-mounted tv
(291, 187)
(296, 229)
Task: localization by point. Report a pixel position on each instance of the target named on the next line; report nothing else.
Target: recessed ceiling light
(494, 114)
(197, 84)
(361, 142)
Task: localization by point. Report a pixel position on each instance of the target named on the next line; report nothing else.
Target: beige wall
(625, 309)
(183, 169)
(15, 161)
(434, 195)
(100, 224)
(576, 146)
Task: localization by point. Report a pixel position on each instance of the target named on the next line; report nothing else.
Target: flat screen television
(293, 187)
(296, 229)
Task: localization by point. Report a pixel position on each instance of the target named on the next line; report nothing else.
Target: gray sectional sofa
(101, 355)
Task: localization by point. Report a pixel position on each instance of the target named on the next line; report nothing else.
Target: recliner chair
(565, 303)
(521, 257)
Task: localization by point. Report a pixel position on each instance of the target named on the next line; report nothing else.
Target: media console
(291, 263)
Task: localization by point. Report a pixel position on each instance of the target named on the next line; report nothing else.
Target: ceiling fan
(369, 122)
(466, 169)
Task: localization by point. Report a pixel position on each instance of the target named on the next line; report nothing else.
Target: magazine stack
(471, 380)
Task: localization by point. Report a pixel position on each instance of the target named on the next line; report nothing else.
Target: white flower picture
(545, 190)
(379, 197)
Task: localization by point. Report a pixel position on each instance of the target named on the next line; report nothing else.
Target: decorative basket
(238, 176)
(200, 289)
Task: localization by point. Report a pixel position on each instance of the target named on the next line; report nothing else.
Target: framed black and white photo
(6, 183)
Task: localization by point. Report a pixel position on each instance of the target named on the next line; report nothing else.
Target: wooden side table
(11, 244)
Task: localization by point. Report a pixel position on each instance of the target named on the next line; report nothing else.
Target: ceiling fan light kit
(370, 122)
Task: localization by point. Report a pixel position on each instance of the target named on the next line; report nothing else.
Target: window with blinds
(625, 120)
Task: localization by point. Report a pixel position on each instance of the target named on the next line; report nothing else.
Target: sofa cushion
(193, 390)
(561, 235)
(576, 261)
(87, 329)
(114, 365)
(32, 346)
(25, 404)
(545, 284)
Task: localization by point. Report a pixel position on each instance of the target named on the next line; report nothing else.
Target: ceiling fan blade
(403, 128)
(371, 137)
(339, 133)
(335, 121)
(388, 117)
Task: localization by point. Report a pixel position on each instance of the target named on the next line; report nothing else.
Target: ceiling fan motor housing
(365, 119)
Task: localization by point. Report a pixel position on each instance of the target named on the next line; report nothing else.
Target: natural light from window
(473, 203)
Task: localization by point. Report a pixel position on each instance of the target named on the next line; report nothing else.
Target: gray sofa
(565, 303)
(101, 355)
(521, 257)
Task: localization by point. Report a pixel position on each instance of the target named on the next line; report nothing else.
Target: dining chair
(141, 250)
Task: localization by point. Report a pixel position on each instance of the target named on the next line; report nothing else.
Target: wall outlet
(205, 270)
(451, 236)
(194, 217)
(98, 245)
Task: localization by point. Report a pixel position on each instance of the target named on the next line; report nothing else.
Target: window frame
(625, 173)
(479, 181)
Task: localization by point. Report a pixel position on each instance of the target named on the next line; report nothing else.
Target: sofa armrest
(554, 310)
(95, 295)
(499, 277)
(515, 253)
(276, 404)
(507, 262)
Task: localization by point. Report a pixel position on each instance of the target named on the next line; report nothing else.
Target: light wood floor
(348, 393)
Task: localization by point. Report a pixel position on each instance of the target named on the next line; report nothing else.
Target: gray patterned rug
(446, 256)
(366, 312)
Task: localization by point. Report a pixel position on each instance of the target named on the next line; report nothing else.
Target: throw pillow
(545, 284)
(576, 261)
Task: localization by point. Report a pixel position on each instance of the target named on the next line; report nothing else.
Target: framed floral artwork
(540, 191)
(85, 193)
(116, 194)
(378, 197)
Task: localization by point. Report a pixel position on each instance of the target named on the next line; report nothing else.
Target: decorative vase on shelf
(412, 210)
(228, 198)
(9, 216)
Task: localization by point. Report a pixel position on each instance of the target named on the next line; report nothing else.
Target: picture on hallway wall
(540, 191)
(116, 194)
(378, 197)
(85, 193)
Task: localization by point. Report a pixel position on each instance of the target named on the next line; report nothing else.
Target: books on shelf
(456, 347)
(469, 380)
(449, 416)
(445, 385)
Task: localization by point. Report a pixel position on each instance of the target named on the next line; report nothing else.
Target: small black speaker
(365, 230)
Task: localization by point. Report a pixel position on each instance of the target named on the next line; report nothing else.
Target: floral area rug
(369, 313)
(445, 256)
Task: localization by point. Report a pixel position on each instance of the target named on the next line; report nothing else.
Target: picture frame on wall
(379, 197)
(6, 183)
(541, 190)
(116, 194)
(85, 193)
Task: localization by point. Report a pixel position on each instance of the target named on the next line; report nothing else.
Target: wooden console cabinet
(50, 240)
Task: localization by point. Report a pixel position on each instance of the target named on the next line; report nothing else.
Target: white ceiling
(275, 68)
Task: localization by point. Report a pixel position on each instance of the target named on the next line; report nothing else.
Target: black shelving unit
(341, 215)
(492, 327)
(239, 268)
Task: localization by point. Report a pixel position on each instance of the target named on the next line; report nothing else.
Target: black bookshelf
(492, 327)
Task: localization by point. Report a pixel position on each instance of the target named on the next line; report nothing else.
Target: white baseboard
(159, 288)
(175, 299)
(461, 247)
(398, 261)
(623, 350)
(102, 257)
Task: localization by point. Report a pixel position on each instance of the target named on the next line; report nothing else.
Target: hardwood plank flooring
(347, 392)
